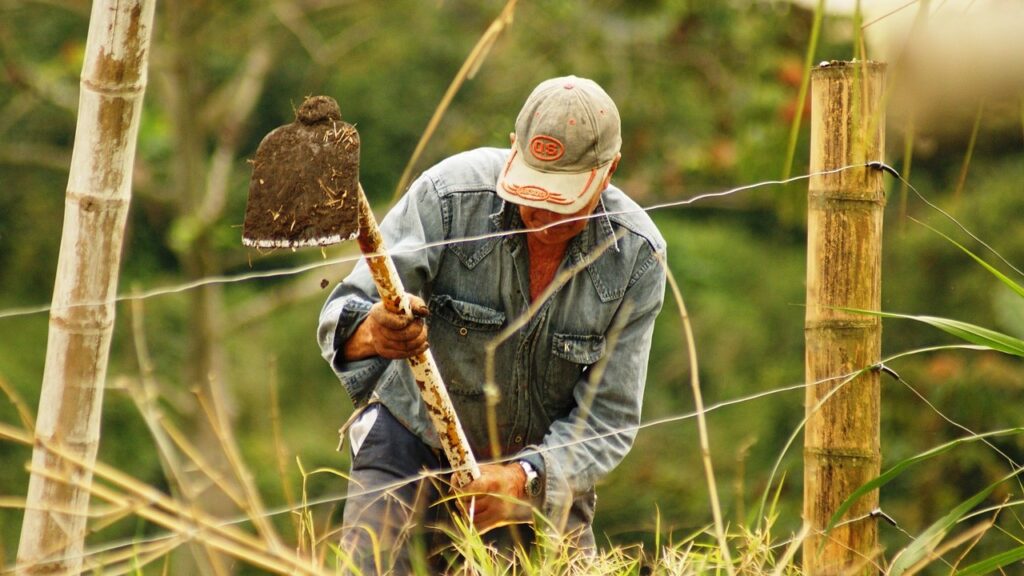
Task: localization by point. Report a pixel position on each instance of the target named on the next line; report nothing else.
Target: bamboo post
(844, 247)
(82, 318)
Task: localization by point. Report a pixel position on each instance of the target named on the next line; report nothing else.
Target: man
(561, 424)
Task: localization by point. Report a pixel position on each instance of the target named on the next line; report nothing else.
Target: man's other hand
(390, 335)
(497, 497)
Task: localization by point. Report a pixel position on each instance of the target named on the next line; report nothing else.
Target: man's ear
(512, 138)
(615, 163)
(614, 167)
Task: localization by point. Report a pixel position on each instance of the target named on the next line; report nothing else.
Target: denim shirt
(575, 421)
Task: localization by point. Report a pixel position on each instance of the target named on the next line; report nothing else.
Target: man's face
(559, 233)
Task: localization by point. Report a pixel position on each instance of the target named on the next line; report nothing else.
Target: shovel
(305, 191)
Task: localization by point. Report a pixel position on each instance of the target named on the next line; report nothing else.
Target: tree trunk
(82, 317)
(844, 236)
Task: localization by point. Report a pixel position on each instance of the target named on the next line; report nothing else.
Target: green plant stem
(805, 82)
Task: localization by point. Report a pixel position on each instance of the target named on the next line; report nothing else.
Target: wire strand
(281, 272)
(933, 206)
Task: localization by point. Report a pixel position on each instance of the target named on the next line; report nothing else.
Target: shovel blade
(304, 189)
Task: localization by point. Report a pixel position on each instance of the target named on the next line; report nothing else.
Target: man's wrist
(360, 344)
(531, 480)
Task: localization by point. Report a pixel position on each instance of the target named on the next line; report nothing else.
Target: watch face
(533, 486)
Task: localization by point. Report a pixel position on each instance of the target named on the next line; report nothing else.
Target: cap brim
(559, 192)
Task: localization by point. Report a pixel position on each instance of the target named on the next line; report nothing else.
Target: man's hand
(389, 335)
(497, 496)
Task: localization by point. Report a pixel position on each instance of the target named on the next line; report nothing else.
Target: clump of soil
(305, 181)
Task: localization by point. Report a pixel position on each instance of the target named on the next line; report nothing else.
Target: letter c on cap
(546, 148)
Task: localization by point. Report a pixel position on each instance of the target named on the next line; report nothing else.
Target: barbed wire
(302, 268)
(299, 269)
(889, 169)
(442, 472)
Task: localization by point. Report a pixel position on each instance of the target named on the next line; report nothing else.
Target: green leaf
(902, 465)
(1002, 277)
(994, 563)
(968, 332)
(924, 544)
(805, 82)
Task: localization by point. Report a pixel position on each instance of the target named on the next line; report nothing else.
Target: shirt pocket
(571, 355)
(459, 332)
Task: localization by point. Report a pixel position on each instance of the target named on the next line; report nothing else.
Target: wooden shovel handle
(424, 369)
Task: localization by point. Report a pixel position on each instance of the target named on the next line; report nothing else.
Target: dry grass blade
(132, 559)
(252, 504)
(145, 403)
(559, 280)
(791, 550)
(535, 306)
(199, 461)
(977, 539)
(280, 450)
(19, 503)
(597, 373)
(969, 153)
(181, 521)
(702, 427)
(844, 380)
(976, 532)
(157, 507)
(468, 70)
(24, 414)
(892, 12)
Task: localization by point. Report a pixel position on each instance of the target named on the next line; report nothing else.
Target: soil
(305, 181)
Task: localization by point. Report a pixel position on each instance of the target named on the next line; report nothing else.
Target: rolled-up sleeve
(583, 447)
(409, 228)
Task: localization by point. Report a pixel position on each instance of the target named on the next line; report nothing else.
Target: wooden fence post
(82, 317)
(844, 247)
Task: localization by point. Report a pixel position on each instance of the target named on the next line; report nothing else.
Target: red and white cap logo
(567, 138)
(546, 148)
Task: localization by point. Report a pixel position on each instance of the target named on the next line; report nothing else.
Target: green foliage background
(706, 92)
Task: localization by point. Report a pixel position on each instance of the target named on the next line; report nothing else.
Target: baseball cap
(567, 136)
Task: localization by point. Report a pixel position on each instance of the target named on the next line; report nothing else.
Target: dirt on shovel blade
(305, 178)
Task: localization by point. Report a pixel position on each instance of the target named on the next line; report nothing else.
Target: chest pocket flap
(579, 349)
(466, 314)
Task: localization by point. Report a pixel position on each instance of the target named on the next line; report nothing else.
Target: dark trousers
(388, 510)
(393, 521)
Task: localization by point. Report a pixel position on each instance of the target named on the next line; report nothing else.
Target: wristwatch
(532, 486)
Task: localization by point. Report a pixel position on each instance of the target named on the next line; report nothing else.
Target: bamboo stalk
(841, 441)
(113, 83)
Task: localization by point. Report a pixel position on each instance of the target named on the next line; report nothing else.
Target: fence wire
(436, 474)
(299, 269)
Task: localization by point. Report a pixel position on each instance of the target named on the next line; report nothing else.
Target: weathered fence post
(82, 319)
(844, 247)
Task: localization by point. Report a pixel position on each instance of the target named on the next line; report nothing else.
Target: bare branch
(39, 155)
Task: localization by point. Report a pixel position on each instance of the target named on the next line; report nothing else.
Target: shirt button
(518, 439)
(463, 331)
